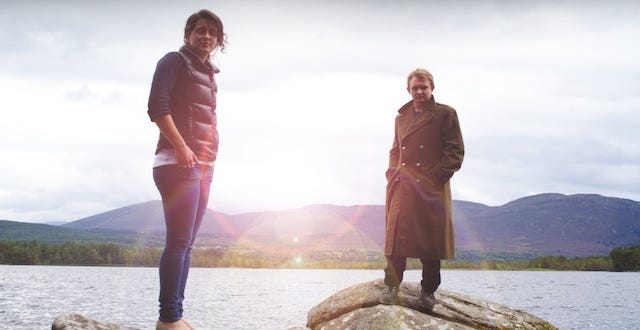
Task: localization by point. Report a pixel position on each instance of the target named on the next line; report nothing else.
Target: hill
(318, 226)
(554, 224)
(143, 218)
(49, 234)
(545, 224)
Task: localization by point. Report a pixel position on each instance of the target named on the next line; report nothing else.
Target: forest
(98, 254)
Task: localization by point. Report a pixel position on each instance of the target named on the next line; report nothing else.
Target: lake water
(230, 298)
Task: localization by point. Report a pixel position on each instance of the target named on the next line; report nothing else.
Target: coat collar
(409, 106)
(195, 59)
(407, 125)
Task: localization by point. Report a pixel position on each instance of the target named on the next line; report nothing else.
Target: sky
(547, 94)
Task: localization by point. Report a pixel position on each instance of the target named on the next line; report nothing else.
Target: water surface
(232, 298)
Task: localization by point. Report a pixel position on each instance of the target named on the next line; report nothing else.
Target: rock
(79, 322)
(357, 307)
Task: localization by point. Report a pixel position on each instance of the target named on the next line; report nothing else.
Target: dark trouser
(185, 194)
(396, 265)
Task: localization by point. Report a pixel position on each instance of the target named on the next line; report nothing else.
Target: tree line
(625, 258)
(33, 253)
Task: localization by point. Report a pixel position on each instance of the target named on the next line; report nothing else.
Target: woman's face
(203, 39)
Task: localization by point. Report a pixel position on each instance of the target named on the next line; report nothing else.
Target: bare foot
(188, 324)
(177, 325)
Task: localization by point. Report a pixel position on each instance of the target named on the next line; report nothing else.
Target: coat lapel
(404, 124)
(421, 121)
(407, 125)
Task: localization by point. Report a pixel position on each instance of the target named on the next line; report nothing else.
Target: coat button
(417, 180)
(397, 179)
(421, 147)
(403, 164)
(403, 147)
(418, 164)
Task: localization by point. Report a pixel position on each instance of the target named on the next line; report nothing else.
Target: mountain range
(544, 224)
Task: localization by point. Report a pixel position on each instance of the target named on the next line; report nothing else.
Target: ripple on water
(231, 298)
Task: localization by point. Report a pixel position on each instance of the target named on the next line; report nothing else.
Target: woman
(182, 103)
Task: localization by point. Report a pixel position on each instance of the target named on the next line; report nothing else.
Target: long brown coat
(427, 150)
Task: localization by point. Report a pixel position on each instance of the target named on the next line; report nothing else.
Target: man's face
(420, 89)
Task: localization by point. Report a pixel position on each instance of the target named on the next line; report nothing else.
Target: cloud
(546, 92)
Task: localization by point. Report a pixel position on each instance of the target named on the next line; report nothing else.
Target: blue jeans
(185, 193)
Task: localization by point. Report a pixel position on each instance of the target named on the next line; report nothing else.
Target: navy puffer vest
(193, 107)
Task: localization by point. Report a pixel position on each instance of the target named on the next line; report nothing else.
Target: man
(427, 149)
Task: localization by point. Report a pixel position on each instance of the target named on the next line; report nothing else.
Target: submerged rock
(79, 322)
(357, 307)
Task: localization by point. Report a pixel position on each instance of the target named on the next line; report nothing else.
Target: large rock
(79, 322)
(357, 307)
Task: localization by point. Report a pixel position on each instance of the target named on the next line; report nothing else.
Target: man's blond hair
(421, 73)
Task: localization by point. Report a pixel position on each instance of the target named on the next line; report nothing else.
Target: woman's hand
(184, 154)
(186, 157)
